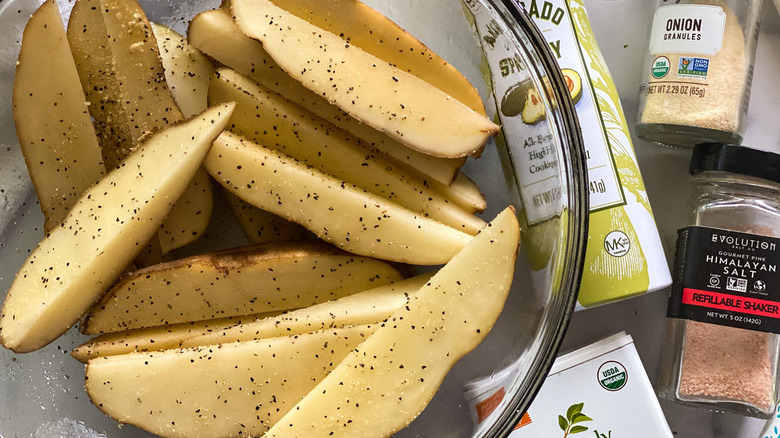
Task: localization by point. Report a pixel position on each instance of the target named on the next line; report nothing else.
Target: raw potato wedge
(463, 192)
(214, 33)
(187, 74)
(187, 70)
(260, 226)
(387, 98)
(240, 281)
(119, 65)
(52, 122)
(340, 213)
(267, 118)
(369, 307)
(165, 337)
(387, 382)
(237, 389)
(82, 257)
(190, 216)
(376, 34)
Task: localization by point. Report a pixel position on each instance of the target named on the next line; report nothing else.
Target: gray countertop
(621, 28)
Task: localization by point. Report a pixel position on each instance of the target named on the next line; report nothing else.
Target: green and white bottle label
(624, 256)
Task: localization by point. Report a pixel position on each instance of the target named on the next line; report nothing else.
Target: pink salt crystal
(727, 363)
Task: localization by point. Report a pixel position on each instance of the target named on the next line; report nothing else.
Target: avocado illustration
(514, 99)
(533, 110)
(574, 83)
(523, 98)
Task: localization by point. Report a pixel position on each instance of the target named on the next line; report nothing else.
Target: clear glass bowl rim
(529, 39)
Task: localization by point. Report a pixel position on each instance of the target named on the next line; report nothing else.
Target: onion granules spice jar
(697, 72)
(722, 342)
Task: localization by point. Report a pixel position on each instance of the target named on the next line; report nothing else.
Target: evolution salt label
(727, 278)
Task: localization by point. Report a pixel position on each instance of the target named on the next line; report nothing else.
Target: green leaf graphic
(577, 429)
(579, 418)
(574, 409)
(563, 423)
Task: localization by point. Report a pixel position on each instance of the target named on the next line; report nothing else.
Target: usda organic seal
(661, 66)
(612, 376)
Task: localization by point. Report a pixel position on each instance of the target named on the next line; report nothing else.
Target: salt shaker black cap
(737, 159)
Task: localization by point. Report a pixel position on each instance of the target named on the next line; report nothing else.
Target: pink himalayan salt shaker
(722, 342)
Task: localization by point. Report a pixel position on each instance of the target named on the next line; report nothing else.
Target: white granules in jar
(720, 107)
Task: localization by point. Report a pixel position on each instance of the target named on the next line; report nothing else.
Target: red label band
(716, 300)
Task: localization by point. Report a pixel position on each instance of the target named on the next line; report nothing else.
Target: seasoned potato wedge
(337, 212)
(376, 34)
(215, 34)
(465, 193)
(260, 226)
(159, 338)
(52, 122)
(82, 257)
(187, 70)
(384, 384)
(190, 217)
(119, 65)
(187, 74)
(237, 389)
(267, 118)
(385, 97)
(369, 307)
(240, 281)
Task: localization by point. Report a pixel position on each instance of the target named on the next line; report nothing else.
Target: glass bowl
(42, 393)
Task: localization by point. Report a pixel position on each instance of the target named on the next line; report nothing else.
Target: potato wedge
(237, 389)
(119, 65)
(385, 97)
(240, 281)
(337, 212)
(463, 192)
(191, 215)
(385, 383)
(187, 75)
(376, 34)
(369, 307)
(159, 338)
(216, 35)
(267, 118)
(187, 70)
(260, 226)
(82, 257)
(52, 122)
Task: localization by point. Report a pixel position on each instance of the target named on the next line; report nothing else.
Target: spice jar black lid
(735, 159)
